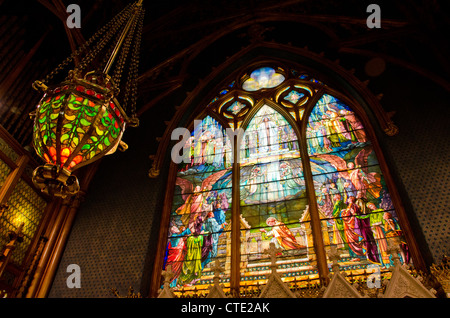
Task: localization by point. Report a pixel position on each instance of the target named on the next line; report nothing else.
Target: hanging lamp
(80, 120)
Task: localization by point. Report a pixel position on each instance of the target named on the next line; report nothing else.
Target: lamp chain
(123, 23)
(123, 55)
(116, 21)
(101, 44)
(131, 84)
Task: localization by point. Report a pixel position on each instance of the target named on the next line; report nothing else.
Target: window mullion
(235, 223)
(316, 228)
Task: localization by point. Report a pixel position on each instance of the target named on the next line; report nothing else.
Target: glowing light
(264, 77)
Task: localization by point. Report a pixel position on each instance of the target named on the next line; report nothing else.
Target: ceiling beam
(400, 62)
(377, 35)
(74, 35)
(154, 101)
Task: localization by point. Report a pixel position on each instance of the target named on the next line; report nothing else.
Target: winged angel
(195, 199)
(357, 173)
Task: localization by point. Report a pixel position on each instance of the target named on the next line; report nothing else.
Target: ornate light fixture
(80, 120)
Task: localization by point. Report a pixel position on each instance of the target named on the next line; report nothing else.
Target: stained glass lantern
(76, 123)
(80, 120)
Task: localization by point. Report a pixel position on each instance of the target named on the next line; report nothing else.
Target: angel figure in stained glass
(195, 199)
(291, 182)
(357, 172)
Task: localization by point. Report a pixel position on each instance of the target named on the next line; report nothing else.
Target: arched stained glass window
(350, 188)
(273, 203)
(198, 226)
(230, 211)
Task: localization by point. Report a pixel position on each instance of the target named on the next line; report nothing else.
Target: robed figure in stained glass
(176, 250)
(267, 136)
(192, 266)
(291, 177)
(338, 235)
(192, 206)
(357, 172)
(282, 236)
(358, 233)
(271, 198)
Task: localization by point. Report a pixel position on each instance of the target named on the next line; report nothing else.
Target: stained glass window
(353, 208)
(236, 107)
(272, 199)
(350, 188)
(199, 223)
(264, 77)
(294, 96)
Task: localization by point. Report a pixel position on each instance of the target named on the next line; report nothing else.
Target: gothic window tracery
(305, 190)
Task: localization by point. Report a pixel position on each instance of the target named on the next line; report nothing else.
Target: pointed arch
(272, 194)
(277, 191)
(350, 188)
(199, 204)
(279, 109)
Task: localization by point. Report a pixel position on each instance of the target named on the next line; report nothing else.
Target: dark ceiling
(183, 40)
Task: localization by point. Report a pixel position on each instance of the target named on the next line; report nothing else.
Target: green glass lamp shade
(76, 123)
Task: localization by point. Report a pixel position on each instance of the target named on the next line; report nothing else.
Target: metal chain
(102, 43)
(85, 46)
(102, 64)
(101, 38)
(131, 85)
(123, 54)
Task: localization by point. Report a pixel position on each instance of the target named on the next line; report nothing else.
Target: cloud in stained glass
(264, 77)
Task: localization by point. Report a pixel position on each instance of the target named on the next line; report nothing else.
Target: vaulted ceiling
(184, 40)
